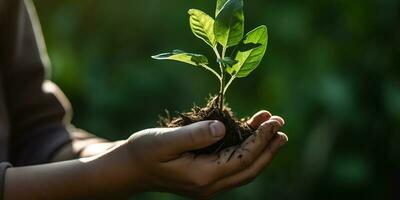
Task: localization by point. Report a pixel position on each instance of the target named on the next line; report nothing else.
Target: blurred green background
(331, 70)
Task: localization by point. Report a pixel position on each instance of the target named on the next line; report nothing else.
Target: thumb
(194, 136)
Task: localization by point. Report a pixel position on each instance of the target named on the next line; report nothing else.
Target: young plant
(224, 34)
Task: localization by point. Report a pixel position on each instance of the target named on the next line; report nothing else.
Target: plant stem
(212, 71)
(229, 83)
(218, 57)
(221, 90)
(221, 94)
(221, 80)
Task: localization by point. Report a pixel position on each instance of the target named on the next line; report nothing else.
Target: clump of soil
(236, 130)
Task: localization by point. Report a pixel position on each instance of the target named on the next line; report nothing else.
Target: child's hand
(159, 159)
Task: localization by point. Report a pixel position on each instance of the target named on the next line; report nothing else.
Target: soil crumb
(236, 130)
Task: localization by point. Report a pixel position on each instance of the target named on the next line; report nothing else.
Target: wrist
(114, 172)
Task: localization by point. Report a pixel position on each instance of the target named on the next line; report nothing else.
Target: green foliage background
(331, 70)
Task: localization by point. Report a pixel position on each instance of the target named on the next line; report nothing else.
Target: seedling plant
(237, 55)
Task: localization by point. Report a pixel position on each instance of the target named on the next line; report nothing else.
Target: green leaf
(246, 47)
(227, 61)
(220, 4)
(179, 55)
(229, 23)
(202, 26)
(250, 52)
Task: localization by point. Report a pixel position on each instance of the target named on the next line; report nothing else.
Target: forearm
(93, 178)
(98, 148)
(50, 181)
(83, 148)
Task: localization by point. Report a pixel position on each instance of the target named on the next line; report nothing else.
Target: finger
(248, 152)
(263, 135)
(254, 170)
(259, 118)
(279, 119)
(194, 136)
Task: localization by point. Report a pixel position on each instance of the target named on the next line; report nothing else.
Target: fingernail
(284, 140)
(280, 120)
(217, 129)
(283, 121)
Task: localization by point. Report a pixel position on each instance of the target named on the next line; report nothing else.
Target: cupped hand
(161, 158)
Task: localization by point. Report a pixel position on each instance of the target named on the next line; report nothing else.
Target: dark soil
(236, 130)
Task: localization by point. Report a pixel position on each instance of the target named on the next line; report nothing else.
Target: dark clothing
(3, 167)
(34, 114)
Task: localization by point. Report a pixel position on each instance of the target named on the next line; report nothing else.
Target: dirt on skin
(236, 130)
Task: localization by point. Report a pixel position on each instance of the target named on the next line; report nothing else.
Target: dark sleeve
(39, 112)
(3, 168)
